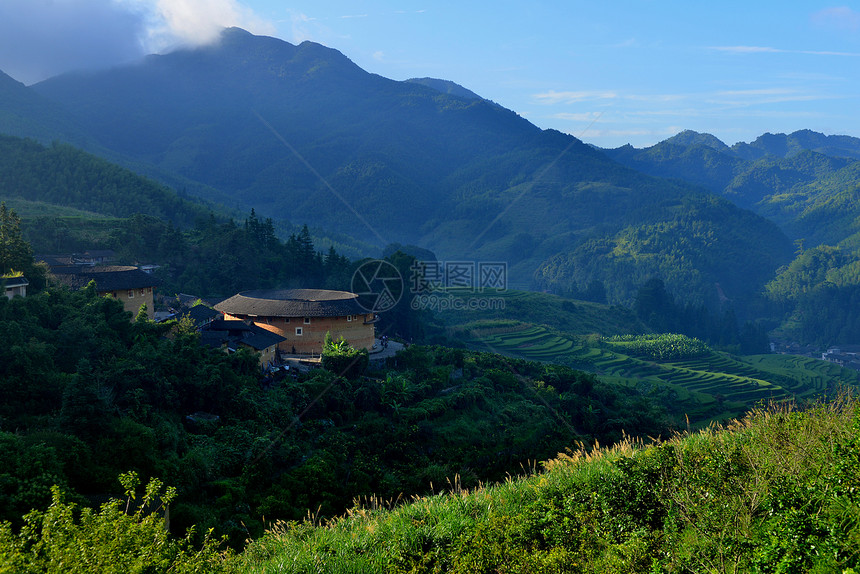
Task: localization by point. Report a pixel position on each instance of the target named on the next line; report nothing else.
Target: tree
(15, 253)
(656, 307)
(341, 358)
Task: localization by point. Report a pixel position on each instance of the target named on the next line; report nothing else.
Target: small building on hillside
(233, 335)
(124, 282)
(200, 315)
(97, 256)
(15, 286)
(303, 317)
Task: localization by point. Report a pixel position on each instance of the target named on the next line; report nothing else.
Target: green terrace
(703, 384)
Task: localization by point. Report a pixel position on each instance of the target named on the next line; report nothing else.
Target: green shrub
(65, 539)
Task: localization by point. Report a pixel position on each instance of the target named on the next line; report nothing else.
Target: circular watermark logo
(378, 284)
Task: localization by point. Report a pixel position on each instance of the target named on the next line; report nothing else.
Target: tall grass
(775, 491)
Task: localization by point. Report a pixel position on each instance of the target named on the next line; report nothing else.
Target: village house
(304, 316)
(233, 335)
(123, 282)
(15, 286)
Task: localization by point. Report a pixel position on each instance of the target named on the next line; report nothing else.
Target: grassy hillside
(776, 491)
(573, 316)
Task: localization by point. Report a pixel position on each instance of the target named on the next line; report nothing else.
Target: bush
(64, 539)
(342, 359)
(663, 347)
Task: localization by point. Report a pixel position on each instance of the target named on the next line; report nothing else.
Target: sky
(610, 73)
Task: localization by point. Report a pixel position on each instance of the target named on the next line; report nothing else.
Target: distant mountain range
(806, 182)
(302, 133)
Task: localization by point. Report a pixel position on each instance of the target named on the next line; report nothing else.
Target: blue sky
(610, 73)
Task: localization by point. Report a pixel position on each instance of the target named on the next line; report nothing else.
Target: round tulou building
(304, 316)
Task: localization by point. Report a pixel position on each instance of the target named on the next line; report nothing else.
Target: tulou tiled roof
(292, 303)
(107, 277)
(235, 333)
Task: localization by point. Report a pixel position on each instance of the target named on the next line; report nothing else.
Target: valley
(575, 407)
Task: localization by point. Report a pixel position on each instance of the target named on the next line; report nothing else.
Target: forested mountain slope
(806, 182)
(66, 176)
(302, 133)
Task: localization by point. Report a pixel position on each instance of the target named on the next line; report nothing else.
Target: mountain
(26, 114)
(689, 138)
(782, 145)
(446, 87)
(688, 159)
(302, 133)
(64, 176)
(801, 181)
(806, 182)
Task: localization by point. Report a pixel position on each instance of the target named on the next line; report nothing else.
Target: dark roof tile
(292, 303)
(107, 278)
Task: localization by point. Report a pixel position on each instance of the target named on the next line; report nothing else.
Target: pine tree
(306, 247)
(15, 252)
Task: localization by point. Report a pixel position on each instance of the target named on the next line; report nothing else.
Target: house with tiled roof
(14, 286)
(123, 282)
(304, 316)
(234, 335)
(200, 315)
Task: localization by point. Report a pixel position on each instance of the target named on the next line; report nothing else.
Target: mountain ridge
(300, 132)
(786, 178)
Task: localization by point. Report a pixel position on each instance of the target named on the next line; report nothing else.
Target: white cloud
(556, 98)
(659, 132)
(41, 38)
(300, 27)
(628, 43)
(838, 17)
(194, 22)
(754, 97)
(581, 117)
(746, 49)
(552, 97)
(771, 50)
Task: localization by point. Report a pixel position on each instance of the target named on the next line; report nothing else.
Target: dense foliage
(807, 183)
(663, 347)
(657, 308)
(64, 175)
(16, 255)
(86, 394)
(774, 492)
(339, 357)
(213, 258)
(705, 246)
(817, 294)
(121, 537)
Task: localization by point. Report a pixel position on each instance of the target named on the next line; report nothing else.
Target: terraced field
(521, 340)
(579, 318)
(715, 385)
(811, 377)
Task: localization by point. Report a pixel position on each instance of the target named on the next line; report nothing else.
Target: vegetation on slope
(459, 175)
(696, 383)
(704, 244)
(774, 492)
(86, 394)
(805, 182)
(63, 175)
